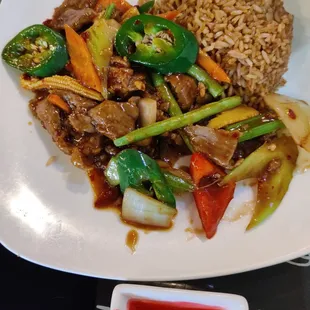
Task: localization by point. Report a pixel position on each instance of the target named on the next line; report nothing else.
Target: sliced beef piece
(114, 119)
(79, 119)
(185, 89)
(77, 103)
(122, 81)
(51, 120)
(219, 145)
(75, 13)
(81, 123)
(90, 145)
(119, 62)
(90, 152)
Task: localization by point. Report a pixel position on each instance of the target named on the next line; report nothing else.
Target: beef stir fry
(119, 89)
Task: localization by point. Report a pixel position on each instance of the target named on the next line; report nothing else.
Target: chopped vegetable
(211, 199)
(177, 182)
(136, 169)
(146, 7)
(36, 50)
(62, 83)
(59, 102)
(159, 44)
(214, 88)
(133, 11)
(179, 121)
(142, 209)
(109, 11)
(163, 89)
(295, 114)
(261, 130)
(174, 109)
(121, 5)
(147, 111)
(170, 15)
(100, 39)
(249, 123)
(215, 71)
(273, 165)
(232, 116)
(147, 114)
(111, 172)
(81, 60)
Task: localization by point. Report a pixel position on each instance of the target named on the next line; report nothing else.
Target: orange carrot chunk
(59, 102)
(121, 5)
(171, 15)
(214, 69)
(81, 60)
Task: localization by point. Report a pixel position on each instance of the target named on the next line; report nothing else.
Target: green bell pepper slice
(157, 43)
(177, 183)
(146, 7)
(37, 50)
(273, 165)
(139, 171)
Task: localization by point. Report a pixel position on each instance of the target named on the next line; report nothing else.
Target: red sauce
(138, 304)
(291, 114)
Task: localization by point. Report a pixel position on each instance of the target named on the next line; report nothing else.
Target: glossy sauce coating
(132, 240)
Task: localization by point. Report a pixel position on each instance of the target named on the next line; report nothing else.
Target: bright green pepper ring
(37, 50)
(157, 51)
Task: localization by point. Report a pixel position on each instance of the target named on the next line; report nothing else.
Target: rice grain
(250, 39)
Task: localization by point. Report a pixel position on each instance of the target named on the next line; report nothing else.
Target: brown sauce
(132, 239)
(105, 195)
(146, 228)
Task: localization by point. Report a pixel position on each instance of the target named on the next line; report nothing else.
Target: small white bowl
(124, 292)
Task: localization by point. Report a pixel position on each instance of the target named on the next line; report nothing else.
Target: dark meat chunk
(81, 123)
(185, 89)
(219, 145)
(119, 62)
(79, 119)
(75, 13)
(77, 103)
(90, 145)
(114, 119)
(90, 152)
(49, 115)
(122, 81)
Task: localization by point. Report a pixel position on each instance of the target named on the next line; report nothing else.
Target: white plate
(124, 292)
(46, 213)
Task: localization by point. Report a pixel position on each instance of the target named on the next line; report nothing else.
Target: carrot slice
(212, 200)
(81, 60)
(59, 102)
(214, 69)
(121, 5)
(171, 15)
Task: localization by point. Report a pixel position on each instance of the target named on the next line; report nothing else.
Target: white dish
(124, 292)
(46, 213)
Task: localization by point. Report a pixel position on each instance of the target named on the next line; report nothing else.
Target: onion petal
(295, 114)
(142, 209)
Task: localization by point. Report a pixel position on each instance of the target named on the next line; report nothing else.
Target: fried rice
(250, 39)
